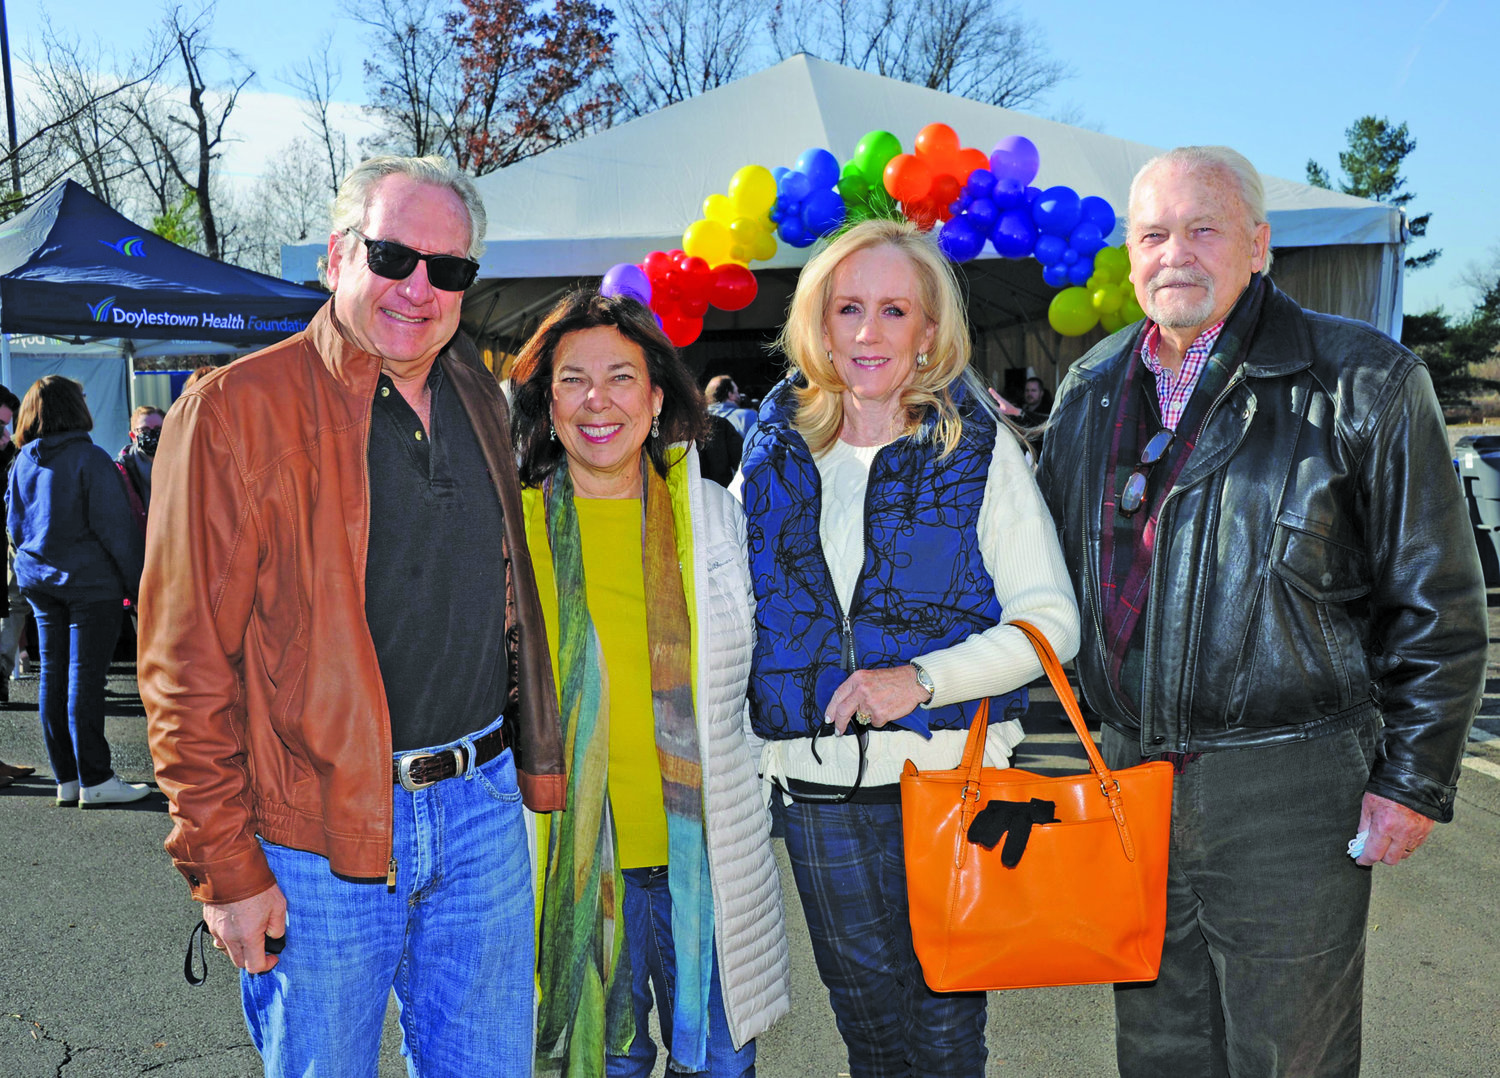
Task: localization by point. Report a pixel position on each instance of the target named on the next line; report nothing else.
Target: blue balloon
(1056, 210)
(777, 173)
(983, 214)
(1056, 276)
(794, 185)
(1014, 235)
(822, 212)
(820, 167)
(785, 206)
(791, 231)
(1086, 239)
(959, 239)
(1032, 194)
(1049, 249)
(1079, 272)
(981, 183)
(1070, 257)
(1009, 193)
(1099, 213)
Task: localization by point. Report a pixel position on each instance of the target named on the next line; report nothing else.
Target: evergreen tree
(1372, 169)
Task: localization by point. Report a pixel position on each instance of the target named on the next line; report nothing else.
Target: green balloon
(1072, 312)
(873, 152)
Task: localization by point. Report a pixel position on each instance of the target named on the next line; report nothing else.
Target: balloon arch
(970, 198)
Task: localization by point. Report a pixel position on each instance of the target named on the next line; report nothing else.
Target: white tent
(613, 197)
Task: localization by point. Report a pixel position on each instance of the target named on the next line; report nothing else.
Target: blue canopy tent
(71, 267)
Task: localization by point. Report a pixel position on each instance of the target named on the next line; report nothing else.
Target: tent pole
(5, 360)
(10, 106)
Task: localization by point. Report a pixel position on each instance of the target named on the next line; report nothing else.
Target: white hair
(1221, 159)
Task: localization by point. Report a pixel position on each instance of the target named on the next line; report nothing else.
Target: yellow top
(610, 532)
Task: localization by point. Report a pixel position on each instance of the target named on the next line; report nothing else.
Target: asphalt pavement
(94, 922)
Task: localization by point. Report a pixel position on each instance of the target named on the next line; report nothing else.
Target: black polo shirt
(435, 575)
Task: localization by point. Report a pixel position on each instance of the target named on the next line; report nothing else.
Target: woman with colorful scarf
(657, 881)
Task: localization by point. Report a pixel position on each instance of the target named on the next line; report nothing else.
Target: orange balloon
(908, 178)
(938, 142)
(970, 159)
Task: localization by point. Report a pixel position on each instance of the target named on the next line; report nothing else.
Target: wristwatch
(924, 679)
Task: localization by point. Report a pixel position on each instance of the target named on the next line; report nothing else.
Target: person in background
(13, 626)
(136, 458)
(343, 659)
(78, 556)
(641, 566)
(895, 531)
(725, 399)
(199, 373)
(1281, 596)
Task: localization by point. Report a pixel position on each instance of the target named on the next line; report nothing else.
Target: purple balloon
(1016, 158)
(1056, 276)
(1049, 249)
(1014, 235)
(1099, 213)
(959, 239)
(983, 214)
(819, 166)
(980, 183)
(626, 279)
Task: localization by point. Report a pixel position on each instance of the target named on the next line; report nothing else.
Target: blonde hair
(820, 407)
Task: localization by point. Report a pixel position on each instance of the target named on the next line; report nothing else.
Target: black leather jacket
(1314, 564)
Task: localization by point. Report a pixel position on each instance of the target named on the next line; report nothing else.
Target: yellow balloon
(719, 208)
(752, 189)
(765, 246)
(708, 240)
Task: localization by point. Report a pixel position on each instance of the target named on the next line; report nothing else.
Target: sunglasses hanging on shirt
(1133, 494)
(396, 262)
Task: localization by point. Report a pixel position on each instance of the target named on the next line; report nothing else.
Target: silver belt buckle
(404, 766)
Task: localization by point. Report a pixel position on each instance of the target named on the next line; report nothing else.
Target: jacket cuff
(1417, 792)
(231, 880)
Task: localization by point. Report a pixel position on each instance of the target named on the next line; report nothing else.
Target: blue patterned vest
(923, 586)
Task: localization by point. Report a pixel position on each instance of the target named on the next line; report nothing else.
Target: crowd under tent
(569, 214)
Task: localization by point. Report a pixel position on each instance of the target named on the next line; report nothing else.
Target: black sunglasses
(1133, 496)
(396, 262)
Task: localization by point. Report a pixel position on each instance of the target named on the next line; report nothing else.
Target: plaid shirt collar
(1174, 391)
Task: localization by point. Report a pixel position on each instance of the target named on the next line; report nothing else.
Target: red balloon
(923, 214)
(657, 265)
(694, 306)
(945, 189)
(696, 279)
(908, 178)
(970, 159)
(734, 287)
(680, 329)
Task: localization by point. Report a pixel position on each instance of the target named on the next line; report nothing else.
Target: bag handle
(973, 759)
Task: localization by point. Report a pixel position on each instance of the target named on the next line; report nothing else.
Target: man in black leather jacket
(1280, 594)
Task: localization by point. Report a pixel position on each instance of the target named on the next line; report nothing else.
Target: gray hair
(352, 203)
(1219, 159)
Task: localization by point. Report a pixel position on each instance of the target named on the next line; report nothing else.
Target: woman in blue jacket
(78, 555)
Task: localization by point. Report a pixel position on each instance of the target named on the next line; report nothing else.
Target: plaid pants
(851, 874)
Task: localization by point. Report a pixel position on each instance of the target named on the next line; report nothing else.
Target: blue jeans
(77, 641)
(851, 874)
(1263, 969)
(455, 941)
(653, 970)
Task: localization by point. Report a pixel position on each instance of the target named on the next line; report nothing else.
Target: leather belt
(419, 770)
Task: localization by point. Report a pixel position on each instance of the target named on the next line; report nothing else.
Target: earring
(551, 430)
(656, 425)
(921, 360)
(829, 354)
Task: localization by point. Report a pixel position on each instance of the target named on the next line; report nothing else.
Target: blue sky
(1280, 81)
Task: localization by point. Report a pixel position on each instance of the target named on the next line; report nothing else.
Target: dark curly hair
(684, 415)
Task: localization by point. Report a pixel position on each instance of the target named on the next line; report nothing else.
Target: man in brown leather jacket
(1280, 594)
(343, 659)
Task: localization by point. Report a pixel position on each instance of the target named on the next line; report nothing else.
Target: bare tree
(671, 50)
(973, 48)
(314, 79)
(412, 73)
(288, 204)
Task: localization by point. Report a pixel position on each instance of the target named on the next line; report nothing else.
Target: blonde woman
(894, 529)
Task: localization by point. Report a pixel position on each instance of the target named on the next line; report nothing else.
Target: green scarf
(583, 965)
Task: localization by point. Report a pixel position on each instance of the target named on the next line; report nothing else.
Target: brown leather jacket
(267, 714)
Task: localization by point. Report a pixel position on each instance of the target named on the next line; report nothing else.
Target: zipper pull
(390, 877)
(848, 634)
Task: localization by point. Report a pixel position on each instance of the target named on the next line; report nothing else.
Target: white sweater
(1018, 544)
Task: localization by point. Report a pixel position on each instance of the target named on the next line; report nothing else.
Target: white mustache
(1167, 278)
